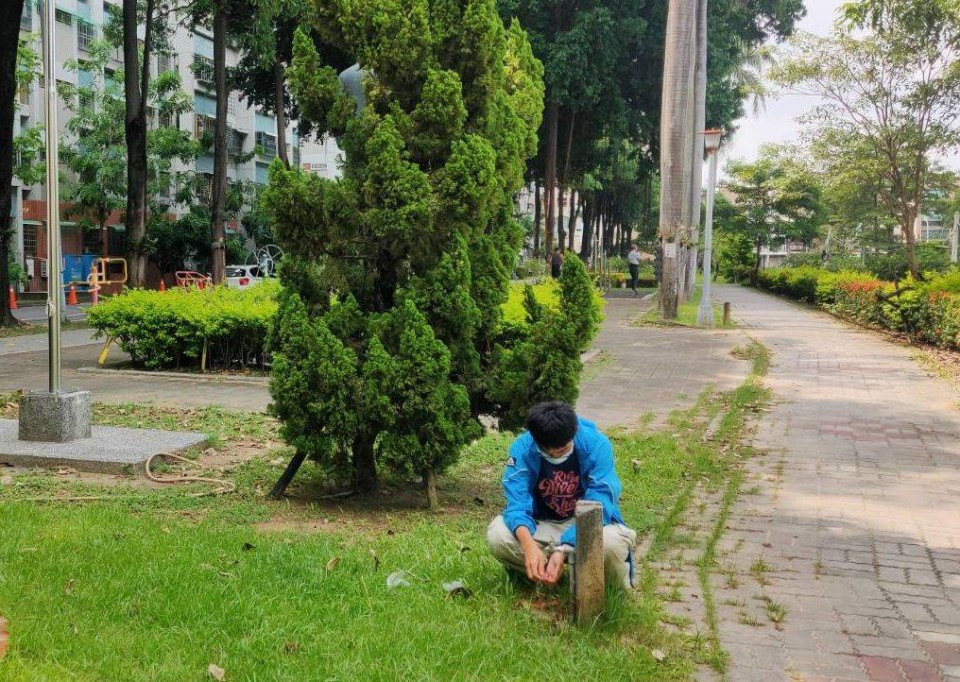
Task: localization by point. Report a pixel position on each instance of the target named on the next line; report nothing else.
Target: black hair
(552, 424)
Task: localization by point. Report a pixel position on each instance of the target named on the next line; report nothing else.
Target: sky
(776, 122)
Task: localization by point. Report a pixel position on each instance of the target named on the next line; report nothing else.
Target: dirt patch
(941, 363)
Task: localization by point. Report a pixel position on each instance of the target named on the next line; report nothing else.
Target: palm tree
(676, 123)
(749, 74)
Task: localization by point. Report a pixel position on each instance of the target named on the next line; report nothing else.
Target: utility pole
(955, 237)
(711, 139)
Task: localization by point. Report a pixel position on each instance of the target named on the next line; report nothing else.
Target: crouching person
(562, 458)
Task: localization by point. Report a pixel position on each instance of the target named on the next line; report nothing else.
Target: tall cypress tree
(396, 272)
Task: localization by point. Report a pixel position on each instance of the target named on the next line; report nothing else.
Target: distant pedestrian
(633, 262)
(556, 263)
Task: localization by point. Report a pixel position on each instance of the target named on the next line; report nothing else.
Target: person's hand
(535, 561)
(554, 570)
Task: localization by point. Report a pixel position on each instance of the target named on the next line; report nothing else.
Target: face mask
(556, 460)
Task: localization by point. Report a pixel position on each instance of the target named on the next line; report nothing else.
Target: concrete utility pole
(955, 237)
(711, 140)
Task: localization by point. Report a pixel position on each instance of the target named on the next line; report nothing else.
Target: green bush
(928, 312)
(531, 267)
(797, 283)
(544, 362)
(163, 330)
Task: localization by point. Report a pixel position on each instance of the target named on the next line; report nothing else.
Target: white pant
(617, 544)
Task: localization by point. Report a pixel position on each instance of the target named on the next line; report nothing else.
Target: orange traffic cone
(163, 286)
(13, 298)
(72, 297)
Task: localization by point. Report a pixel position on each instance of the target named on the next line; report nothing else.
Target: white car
(243, 276)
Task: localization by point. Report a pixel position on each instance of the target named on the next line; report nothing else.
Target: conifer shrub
(385, 343)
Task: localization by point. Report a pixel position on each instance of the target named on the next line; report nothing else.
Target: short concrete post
(588, 584)
(726, 313)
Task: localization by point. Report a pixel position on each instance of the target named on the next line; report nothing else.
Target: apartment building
(78, 23)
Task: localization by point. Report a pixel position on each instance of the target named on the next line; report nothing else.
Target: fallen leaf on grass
(396, 579)
(457, 589)
(376, 559)
(332, 564)
(277, 462)
(636, 464)
(216, 672)
(291, 647)
(4, 637)
(658, 655)
(68, 588)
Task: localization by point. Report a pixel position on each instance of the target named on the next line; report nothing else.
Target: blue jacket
(596, 470)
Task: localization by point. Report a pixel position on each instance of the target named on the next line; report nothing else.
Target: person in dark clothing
(633, 262)
(556, 263)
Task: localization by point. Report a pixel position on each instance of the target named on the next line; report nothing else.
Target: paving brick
(921, 671)
(882, 669)
(943, 653)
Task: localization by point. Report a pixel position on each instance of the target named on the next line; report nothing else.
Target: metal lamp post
(57, 415)
(54, 247)
(711, 142)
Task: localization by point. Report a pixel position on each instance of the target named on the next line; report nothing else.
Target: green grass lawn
(150, 584)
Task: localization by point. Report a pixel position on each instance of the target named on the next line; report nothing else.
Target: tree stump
(588, 579)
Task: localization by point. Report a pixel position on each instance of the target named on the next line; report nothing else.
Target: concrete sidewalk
(855, 525)
(643, 370)
(24, 366)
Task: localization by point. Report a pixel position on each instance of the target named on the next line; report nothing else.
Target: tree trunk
(565, 184)
(550, 182)
(700, 123)
(910, 239)
(587, 238)
(572, 225)
(218, 245)
(675, 147)
(365, 465)
(537, 217)
(10, 13)
(430, 484)
(281, 112)
(561, 231)
(136, 95)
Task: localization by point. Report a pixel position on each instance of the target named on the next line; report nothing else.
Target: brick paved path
(852, 519)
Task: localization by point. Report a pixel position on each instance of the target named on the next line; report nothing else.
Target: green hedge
(163, 330)
(927, 312)
(168, 330)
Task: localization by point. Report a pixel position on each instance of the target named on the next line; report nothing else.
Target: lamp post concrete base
(60, 417)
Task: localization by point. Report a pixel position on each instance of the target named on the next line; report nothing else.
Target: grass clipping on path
(151, 585)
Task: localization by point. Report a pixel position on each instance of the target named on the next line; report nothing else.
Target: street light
(711, 142)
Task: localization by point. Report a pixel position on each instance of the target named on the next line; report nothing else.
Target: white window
(86, 34)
